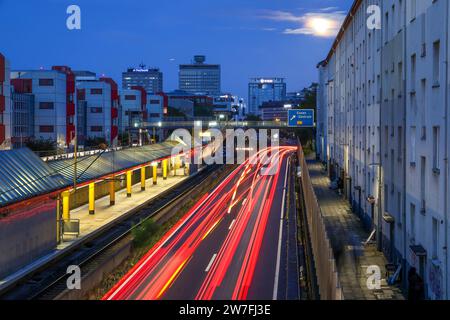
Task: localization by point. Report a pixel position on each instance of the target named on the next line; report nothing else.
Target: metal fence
(326, 270)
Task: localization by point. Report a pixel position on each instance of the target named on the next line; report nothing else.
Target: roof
(99, 165)
(24, 175)
(348, 19)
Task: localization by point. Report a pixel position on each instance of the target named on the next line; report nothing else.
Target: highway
(228, 246)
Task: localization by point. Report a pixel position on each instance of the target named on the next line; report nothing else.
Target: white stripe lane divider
(280, 237)
(211, 262)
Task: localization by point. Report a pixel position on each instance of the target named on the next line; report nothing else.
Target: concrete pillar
(112, 192)
(92, 198)
(143, 178)
(164, 165)
(129, 175)
(155, 173)
(66, 205)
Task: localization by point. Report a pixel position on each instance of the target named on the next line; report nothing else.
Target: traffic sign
(301, 118)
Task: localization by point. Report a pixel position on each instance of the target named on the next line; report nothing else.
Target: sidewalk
(103, 217)
(347, 236)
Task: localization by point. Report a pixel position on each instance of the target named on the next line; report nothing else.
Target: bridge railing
(326, 270)
(217, 124)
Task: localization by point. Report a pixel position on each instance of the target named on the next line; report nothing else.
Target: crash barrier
(326, 270)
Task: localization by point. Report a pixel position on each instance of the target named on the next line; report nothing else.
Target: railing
(326, 270)
(218, 124)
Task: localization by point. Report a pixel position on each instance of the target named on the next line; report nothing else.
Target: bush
(143, 233)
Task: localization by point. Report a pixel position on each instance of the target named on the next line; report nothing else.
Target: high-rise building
(5, 105)
(54, 110)
(199, 77)
(383, 128)
(263, 90)
(151, 79)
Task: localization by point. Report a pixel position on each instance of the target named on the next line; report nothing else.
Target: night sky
(247, 37)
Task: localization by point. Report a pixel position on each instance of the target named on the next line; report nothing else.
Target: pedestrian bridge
(218, 124)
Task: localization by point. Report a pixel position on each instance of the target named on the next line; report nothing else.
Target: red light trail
(245, 197)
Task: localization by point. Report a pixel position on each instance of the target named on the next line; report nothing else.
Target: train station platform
(105, 215)
(348, 236)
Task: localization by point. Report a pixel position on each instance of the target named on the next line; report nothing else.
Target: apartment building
(383, 128)
(98, 109)
(54, 102)
(5, 105)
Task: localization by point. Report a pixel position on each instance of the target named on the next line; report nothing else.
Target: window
(46, 82)
(413, 9)
(96, 91)
(412, 216)
(96, 128)
(413, 73)
(46, 105)
(436, 133)
(436, 62)
(400, 143)
(423, 176)
(435, 238)
(46, 129)
(412, 159)
(130, 97)
(96, 110)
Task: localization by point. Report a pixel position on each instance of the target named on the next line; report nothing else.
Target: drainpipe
(446, 195)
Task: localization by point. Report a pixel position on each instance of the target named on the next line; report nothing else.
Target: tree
(253, 117)
(43, 147)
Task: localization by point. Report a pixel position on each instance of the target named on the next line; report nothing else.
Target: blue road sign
(301, 118)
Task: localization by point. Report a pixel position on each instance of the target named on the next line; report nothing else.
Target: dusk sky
(247, 37)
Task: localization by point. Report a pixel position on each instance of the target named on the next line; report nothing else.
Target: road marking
(277, 269)
(232, 224)
(211, 261)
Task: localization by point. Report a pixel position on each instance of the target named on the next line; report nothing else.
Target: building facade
(263, 90)
(383, 127)
(199, 77)
(22, 116)
(150, 79)
(5, 105)
(54, 99)
(98, 109)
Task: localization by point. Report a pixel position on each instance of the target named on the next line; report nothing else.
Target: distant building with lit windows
(199, 77)
(263, 90)
(151, 79)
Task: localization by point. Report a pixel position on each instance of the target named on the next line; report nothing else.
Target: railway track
(50, 280)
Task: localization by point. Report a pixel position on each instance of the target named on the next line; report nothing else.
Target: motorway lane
(225, 247)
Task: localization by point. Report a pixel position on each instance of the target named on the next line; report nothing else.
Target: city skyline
(255, 28)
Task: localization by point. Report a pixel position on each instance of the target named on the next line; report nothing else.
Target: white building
(383, 127)
(54, 113)
(100, 100)
(5, 105)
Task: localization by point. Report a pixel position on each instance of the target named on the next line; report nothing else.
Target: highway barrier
(325, 264)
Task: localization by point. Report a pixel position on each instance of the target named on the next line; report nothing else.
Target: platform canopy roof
(24, 175)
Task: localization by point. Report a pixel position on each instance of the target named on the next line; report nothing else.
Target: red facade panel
(2, 104)
(22, 85)
(2, 133)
